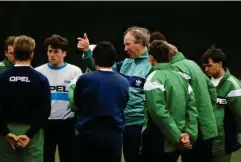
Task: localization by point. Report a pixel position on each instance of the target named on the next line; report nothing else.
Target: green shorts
(32, 153)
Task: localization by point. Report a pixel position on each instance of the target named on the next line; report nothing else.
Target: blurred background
(192, 26)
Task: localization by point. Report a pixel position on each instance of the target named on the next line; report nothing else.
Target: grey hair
(140, 34)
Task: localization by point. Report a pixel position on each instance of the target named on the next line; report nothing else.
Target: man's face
(56, 56)
(132, 47)
(212, 69)
(9, 54)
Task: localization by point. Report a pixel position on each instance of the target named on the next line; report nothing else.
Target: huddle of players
(161, 105)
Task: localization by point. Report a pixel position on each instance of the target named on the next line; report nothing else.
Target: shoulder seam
(234, 82)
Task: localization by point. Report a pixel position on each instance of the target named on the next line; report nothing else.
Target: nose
(51, 54)
(126, 49)
(206, 69)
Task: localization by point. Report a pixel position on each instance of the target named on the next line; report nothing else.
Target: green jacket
(228, 115)
(136, 71)
(72, 86)
(170, 105)
(205, 94)
(4, 65)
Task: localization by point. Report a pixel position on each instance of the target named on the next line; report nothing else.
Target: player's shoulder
(41, 67)
(39, 74)
(73, 67)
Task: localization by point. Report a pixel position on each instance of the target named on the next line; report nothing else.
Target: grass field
(235, 157)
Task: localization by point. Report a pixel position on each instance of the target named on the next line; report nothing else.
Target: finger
(80, 39)
(12, 145)
(83, 43)
(85, 36)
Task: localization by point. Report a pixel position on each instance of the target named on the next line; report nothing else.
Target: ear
(64, 53)
(140, 42)
(220, 64)
(32, 55)
(6, 53)
(151, 58)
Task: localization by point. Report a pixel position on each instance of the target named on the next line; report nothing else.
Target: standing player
(100, 98)
(25, 101)
(170, 109)
(205, 97)
(9, 60)
(228, 111)
(59, 130)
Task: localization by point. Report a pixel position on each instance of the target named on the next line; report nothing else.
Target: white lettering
(19, 78)
(221, 101)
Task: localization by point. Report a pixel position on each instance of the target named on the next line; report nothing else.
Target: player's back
(105, 94)
(22, 89)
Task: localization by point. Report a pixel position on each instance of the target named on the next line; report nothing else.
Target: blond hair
(23, 47)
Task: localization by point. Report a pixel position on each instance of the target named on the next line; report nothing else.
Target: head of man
(214, 62)
(136, 41)
(104, 55)
(56, 49)
(158, 52)
(23, 48)
(9, 50)
(157, 36)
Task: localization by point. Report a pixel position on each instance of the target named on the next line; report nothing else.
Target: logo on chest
(135, 81)
(138, 83)
(59, 88)
(222, 101)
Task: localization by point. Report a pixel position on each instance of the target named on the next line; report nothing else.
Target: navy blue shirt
(24, 98)
(100, 98)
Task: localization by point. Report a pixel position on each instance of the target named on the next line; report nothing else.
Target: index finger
(80, 39)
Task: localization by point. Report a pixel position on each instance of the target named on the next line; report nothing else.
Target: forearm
(88, 59)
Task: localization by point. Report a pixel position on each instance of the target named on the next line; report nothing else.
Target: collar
(178, 57)
(144, 55)
(57, 68)
(225, 77)
(162, 66)
(22, 65)
(7, 63)
(102, 69)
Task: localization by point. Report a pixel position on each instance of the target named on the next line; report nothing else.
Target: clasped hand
(15, 141)
(184, 142)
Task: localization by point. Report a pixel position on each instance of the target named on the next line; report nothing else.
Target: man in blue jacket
(100, 98)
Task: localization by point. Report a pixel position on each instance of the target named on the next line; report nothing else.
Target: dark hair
(159, 50)
(56, 42)
(157, 36)
(9, 42)
(104, 54)
(23, 47)
(216, 54)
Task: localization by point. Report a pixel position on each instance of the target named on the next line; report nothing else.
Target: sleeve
(212, 91)
(191, 116)
(88, 59)
(42, 113)
(234, 104)
(114, 67)
(3, 122)
(156, 106)
(79, 92)
(117, 66)
(71, 92)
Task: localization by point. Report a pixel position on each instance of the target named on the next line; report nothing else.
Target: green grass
(235, 157)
